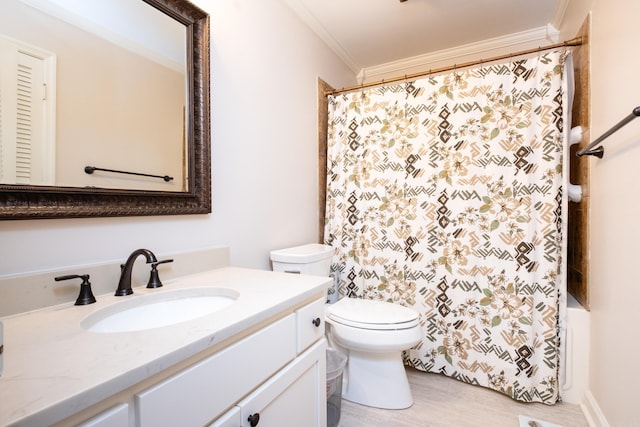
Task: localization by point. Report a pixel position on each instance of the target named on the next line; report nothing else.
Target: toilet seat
(372, 315)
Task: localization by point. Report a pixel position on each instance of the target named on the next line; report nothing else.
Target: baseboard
(592, 412)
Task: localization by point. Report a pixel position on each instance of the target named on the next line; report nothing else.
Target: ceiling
(366, 33)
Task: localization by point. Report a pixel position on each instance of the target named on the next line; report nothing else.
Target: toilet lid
(369, 314)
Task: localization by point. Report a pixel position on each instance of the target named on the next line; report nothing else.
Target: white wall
(265, 65)
(615, 211)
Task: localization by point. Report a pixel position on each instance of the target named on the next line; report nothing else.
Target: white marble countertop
(54, 368)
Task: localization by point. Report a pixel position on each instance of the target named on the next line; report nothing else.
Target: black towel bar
(589, 150)
(91, 169)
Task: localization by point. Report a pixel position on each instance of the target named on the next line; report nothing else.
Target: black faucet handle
(154, 277)
(86, 296)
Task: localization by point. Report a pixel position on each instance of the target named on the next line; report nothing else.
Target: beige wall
(118, 110)
(615, 209)
(264, 70)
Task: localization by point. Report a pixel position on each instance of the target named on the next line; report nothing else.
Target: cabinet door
(295, 396)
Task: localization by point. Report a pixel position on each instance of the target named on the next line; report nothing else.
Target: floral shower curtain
(444, 194)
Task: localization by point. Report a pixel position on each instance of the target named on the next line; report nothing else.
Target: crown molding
(308, 18)
(558, 16)
(511, 42)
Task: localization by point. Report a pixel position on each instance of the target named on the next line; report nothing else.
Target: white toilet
(372, 334)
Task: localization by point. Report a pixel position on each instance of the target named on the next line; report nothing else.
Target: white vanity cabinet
(276, 375)
(198, 394)
(264, 354)
(294, 395)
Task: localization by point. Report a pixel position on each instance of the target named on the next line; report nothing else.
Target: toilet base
(377, 380)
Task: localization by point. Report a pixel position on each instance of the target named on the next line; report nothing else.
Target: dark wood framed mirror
(44, 201)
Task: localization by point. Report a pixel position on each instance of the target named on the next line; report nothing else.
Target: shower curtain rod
(576, 41)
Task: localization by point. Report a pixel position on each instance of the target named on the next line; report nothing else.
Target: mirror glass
(104, 108)
(99, 84)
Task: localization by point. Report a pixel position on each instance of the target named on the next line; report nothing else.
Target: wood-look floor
(444, 402)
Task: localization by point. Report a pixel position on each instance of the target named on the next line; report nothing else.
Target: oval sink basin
(157, 310)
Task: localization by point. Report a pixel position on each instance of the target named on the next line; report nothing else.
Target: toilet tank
(313, 259)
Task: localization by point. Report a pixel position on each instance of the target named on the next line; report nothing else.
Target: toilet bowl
(373, 335)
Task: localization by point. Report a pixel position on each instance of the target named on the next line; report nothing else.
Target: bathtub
(574, 373)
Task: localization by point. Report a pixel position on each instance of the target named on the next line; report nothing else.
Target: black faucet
(124, 285)
(86, 296)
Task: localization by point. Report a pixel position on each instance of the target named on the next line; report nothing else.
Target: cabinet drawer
(202, 392)
(310, 319)
(114, 417)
